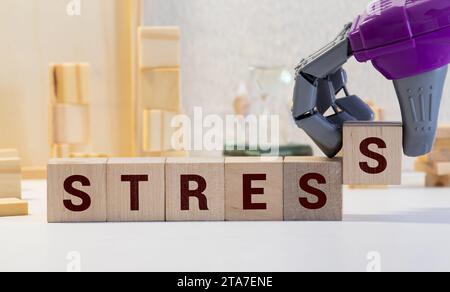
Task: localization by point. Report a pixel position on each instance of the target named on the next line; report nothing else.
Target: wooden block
(153, 130)
(71, 124)
(160, 89)
(83, 84)
(372, 153)
(13, 207)
(70, 82)
(254, 189)
(9, 153)
(10, 178)
(158, 131)
(441, 144)
(136, 190)
(437, 181)
(29, 173)
(60, 151)
(159, 47)
(76, 190)
(437, 168)
(195, 189)
(438, 156)
(312, 189)
(443, 132)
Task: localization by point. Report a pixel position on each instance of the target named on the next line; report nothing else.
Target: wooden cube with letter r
(373, 153)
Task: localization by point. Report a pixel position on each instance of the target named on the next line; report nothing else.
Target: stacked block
(11, 203)
(159, 98)
(372, 153)
(69, 108)
(436, 164)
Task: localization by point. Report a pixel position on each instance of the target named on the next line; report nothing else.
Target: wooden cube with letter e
(254, 189)
(312, 189)
(373, 153)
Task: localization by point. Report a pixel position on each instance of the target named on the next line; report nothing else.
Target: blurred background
(227, 48)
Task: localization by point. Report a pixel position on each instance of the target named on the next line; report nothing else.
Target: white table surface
(408, 227)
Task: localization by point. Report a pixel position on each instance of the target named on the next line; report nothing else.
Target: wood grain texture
(360, 169)
(306, 196)
(13, 207)
(101, 36)
(194, 171)
(59, 170)
(10, 178)
(150, 202)
(264, 177)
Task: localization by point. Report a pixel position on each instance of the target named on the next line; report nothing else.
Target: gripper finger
(420, 99)
(326, 135)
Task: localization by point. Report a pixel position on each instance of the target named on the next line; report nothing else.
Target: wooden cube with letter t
(254, 189)
(136, 189)
(372, 153)
(312, 189)
(195, 189)
(76, 190)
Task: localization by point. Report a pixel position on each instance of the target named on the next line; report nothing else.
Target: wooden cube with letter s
(312, 189)
(76, 190)
(373, 153)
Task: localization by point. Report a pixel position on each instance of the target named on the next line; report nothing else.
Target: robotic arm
(409, 43)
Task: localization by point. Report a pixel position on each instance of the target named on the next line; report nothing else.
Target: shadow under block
(10, 178)
(76, 190)
(372, 153)
(136, 190)
(159, 47)
(253, 189)
(195, 189)
(160, 89)
(313, 189)
(70, 124)
(70, 82)
(13, 207)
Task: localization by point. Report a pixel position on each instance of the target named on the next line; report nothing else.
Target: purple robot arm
(406, 41)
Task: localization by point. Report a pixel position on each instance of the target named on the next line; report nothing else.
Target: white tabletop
(405, 228)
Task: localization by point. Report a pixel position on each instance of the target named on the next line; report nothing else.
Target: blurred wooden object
(159, 99)
(13, 207)
(10, 174)
(104, 35)
(436, 164)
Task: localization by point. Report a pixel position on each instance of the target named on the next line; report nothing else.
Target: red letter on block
(248, 191)
(68, 187)
(186, 192)
(382, 162)
(134, 181)
(321, 196)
